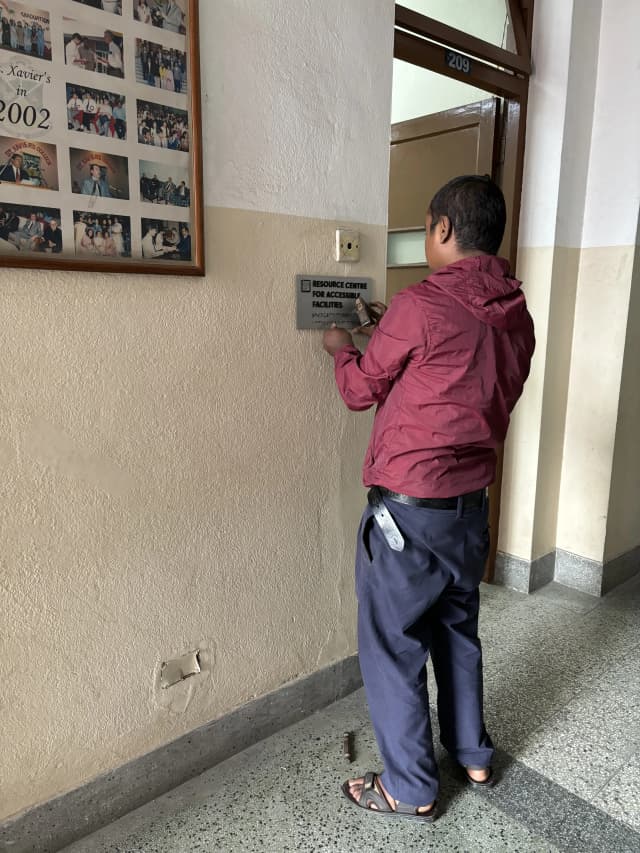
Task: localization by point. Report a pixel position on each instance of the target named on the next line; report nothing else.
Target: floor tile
(283, 795)
(571, 599)
(620, 797)
(559, 674)
(584, 744)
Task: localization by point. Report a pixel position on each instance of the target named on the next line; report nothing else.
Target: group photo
(99, 175)
(24, 29)
(100, 51)
(167, 14)
(161, 67)
(24, 228)
(162, 126)
(113, 6)
(165, 240)
(28, 163)
(162, 184)
(101, 234)
(96, 111)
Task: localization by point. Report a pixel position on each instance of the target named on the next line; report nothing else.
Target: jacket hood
(482, 284)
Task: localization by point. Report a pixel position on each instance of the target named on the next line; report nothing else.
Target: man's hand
(377, 310)
(335, 338)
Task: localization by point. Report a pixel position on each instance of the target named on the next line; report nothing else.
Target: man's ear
(445, 229)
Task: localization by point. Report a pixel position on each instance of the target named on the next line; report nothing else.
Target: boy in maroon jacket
(445, 366)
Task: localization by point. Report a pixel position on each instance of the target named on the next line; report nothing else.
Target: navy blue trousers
(415, 603)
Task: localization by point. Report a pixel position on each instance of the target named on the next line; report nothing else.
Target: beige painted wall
(559, 472)
(533, 453)
(523, 441)
(602, 305)
(565, 482)
(623, 521)
(178, 473)
(178, 469)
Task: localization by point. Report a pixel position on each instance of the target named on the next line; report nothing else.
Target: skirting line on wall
(590, 576)
(50, 827)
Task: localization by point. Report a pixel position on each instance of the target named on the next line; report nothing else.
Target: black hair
(476, 209)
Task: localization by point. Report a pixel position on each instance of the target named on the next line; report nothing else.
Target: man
(79, 229)
(184, 244)
(75, 112)
(154, 188)
(177, 76)
(155, 69)
(51, 238)
(445, 366)
(120, 116)
(72, 52)
(182, 195)
(115, 67)
(28, 236)
(105, 118)
(173, 17)
(95, 184)
(168, 190)
(89, 112)
(149, 247)
(12, 172)
(40, 39)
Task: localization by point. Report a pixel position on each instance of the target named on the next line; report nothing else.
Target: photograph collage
(96, 138)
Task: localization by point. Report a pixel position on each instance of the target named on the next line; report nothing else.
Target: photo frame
(100, 136)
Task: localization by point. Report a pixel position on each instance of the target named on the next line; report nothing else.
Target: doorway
(481, 130)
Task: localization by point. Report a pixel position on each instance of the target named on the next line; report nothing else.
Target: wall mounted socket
(347, 245)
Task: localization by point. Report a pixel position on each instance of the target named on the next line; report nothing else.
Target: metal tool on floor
(347, 746)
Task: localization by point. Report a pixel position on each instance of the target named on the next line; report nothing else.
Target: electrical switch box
(347, 245)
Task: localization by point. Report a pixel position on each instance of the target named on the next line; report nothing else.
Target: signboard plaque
(324, 299)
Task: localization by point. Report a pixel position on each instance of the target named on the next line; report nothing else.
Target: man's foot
(482, 778)
(368, 792)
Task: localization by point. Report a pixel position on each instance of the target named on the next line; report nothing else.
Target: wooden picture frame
(100, 136)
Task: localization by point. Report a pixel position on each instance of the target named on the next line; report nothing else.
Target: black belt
(472, 500)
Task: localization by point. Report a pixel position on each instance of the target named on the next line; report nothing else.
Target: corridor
(561, 682)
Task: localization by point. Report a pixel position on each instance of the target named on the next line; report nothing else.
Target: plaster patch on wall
(178, 669)
(176, 697)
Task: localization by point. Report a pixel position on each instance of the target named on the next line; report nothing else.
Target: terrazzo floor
(562, 686)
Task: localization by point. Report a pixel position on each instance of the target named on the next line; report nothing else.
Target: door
(426, 152)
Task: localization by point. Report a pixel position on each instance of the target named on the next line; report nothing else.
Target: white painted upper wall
(613, 189)
(305, 106)
(578, 122)
(545, 122)
(582, 170)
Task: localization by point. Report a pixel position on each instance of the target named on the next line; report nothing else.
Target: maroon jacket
(446, 366)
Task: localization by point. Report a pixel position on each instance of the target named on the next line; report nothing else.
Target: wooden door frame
(428, 43)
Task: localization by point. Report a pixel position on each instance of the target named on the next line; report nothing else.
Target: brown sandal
(373, 795)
